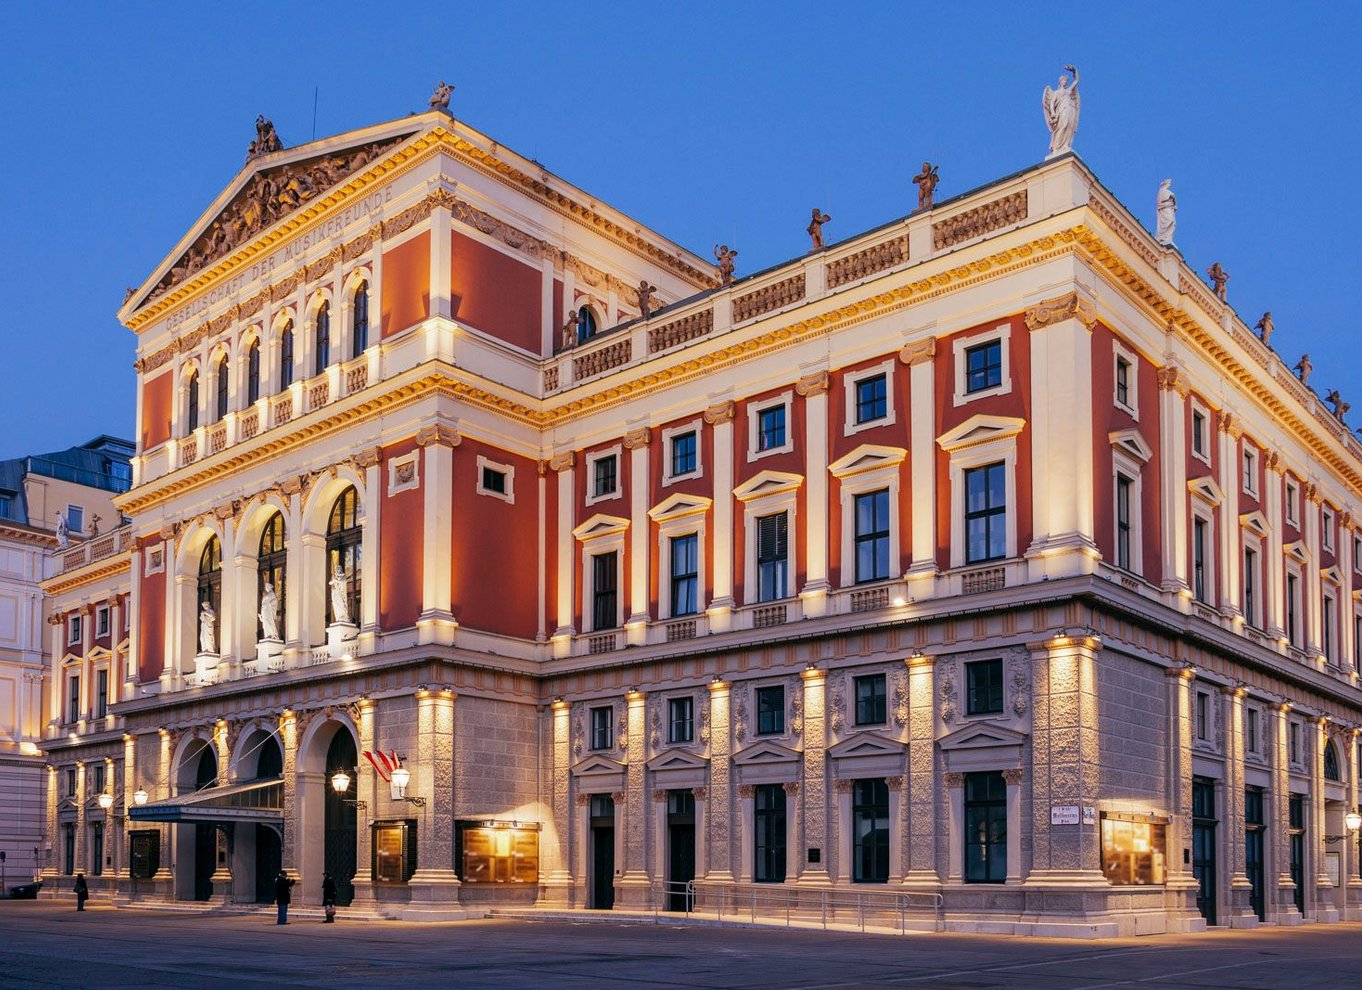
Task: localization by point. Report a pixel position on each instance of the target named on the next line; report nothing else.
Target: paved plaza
(49, 945)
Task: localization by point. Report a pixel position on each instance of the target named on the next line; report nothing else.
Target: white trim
(1199, 410)
(1248, 480)
(1001, 333)
(74, 632)
(617, 452)
(1291, 503)
(678, 516)
(508, 470)
(979, 441)
(851, 380)
(1328, 525)
(601, 534)
(754, 410)
(155, 560)
(1207, 515)
(1124, 465)
(869, 468)
(396, 464)
(695, 426)
(1132, 405)
(767, 494)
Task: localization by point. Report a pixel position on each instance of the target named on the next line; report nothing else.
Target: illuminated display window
(1133, 849)
(498, 852)
(394, 851)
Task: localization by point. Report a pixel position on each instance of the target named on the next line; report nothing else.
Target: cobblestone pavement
(47, 944)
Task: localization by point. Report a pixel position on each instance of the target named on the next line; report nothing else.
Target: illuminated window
(272, 569)
(1133, 849)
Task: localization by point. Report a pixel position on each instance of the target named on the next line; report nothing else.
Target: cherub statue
(725, 255)
(926, 181)
(645, 298)
(439, 100)
(1218, 277)
(1303, 369)
(815, 228)
(1336, 400)
(129, 293)
(1061, 106)
(570, 332)
(1264, 326)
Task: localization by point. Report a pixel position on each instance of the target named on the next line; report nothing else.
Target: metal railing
(794, 906)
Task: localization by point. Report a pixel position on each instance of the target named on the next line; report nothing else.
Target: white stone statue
(340, 597)
(1167, 213)
(207, 629)
(1061, 113)
(269, 612)
(63, 531)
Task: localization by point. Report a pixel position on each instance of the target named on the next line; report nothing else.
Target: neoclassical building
(985, 560)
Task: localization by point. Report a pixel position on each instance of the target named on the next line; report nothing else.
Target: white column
(440, 248)
(814, 594)
(368, 461)
(636, 626)
(1311, 587)
(1274, 610)
(747, 818)
(920, 359)
(567, 562)
(1229, 535)
(134, 626)
(720, 418)
(1173, 457)
(436, 623)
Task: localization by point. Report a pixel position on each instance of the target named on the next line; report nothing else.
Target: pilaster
(435, 885)
(1230, 557)
(1239, 907)
(633, 886)
(814, 594)
(366, 795)
(814, 787)
(436, 623)
(1273, 602)
(1325, 908)
(1281, 885)
(557, 888)
(1173, 456)
(636, 626)
(719, 840)
(1180, 885)
(921, 360)
(920, 866)
(567, 557)
(720, 418)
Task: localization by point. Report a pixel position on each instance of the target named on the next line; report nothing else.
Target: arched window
(360, 337)
(323, 338)
(210, 590)
(1331, 763)
(253, 372)
(271, 571)
(342, 550)
(586, 324)
(220, 383)
(286, 356)
(192, 402)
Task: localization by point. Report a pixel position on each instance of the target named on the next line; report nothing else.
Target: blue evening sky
(707, 121)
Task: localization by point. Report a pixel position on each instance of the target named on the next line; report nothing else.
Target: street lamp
(401, 778)
(340, 781)
(139, 797)
(1352, 821)
(106, 800)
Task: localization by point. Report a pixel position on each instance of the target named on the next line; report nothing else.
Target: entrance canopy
(259, 801)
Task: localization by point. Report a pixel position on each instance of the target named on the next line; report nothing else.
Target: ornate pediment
(600, 525)
(677, 759)
(1297, 550)
(1132, 444)
(866, 744)
(1254, 522)
(982, 746)
(767, 483)
(679, 505)
(1206, 489)
(981, 735)
(263, 198)
(597, 766)
(980, 429)
(765, 753)
(867, 457)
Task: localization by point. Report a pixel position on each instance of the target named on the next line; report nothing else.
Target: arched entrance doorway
(196, 844)
(327, 828)
(268, 849)
(341, 818)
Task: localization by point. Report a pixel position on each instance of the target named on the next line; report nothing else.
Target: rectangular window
(1251, 730)
(69, 848)
(683, 453)
(985, 828)
(1133, 850)
(101, 693)
(1254, 844)
(96, 779)
(604, 601)
(985, 513)
(75, 518)
(772, 556)
(768, 833)
(6, 505)
(1250, 471)
(494, 480)
(1250, 587)
(870, 830)
(771, 428)
(1357, 642)
(1327, 530)
(73, 630)
(1293, 593)
(604, 478)
(870, 700)
(681, 719)
(1327, 627)
(102, 621)
(984, 687)
(73, 698)
(394, 851)
(770, 710)
(1124, 486)
(97, 848)
(70, 781)
(872, 536)
(871, 399)
(1293, 742)
(984, 366)
(1123, 381)
(685, 574)
(1291, 495)
(603, 727)
(1199, 559)
(1203, 716)
(1357, 553)
(1199, 433)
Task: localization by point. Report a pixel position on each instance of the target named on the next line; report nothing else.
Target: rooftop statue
(725, 255)
(1264, 326)
(1061, 107)
(266, 139)
(1303, 369)
(926, 181)
(1218, 277)
(815, 228)
(63, 531)
(439, 100)
(1166, 211)
(645, 298)
(1336, 400)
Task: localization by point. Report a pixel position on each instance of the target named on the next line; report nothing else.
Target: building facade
(986, 558)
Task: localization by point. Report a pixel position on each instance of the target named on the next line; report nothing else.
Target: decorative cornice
(814, 384)
(1068, 306)
(438, 435)
(918, 352)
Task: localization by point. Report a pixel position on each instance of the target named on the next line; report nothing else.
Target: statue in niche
(815, 228)
(63, 531)
(1264, 326)
(266, 138)
(1219, 277)
(340, 597)
(439, 100)
(725, 255)
(1336, 400)
(1061, 106)
(208, 619)
(269, 612)
(1303, 369)
(1166, 212)
(645, 298)
(926, 181)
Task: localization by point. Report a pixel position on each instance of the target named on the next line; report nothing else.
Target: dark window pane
(984, 687)
(871, 399)
(770, 710)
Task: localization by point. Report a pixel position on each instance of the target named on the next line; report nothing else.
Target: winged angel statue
(1061, 113)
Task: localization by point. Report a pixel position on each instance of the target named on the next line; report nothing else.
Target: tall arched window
(1331, 768)
(210, 590)
(286, 356)
(323, 338)
(253, 372)
(220, 384)
(271, 570)
(586, 324)
(192, 402)
(360, 337)
(343, 550)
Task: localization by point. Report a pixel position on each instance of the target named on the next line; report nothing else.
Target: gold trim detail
(918, 352)
(1068, 306)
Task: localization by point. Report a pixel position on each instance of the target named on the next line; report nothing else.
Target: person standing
(283, 893)
(82, 891)
(329, 898)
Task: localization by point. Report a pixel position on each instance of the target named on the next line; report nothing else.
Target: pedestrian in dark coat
(329, 898)
(82, 891)
(283, 893)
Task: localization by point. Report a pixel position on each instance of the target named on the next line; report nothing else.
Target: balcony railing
(101, 547)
